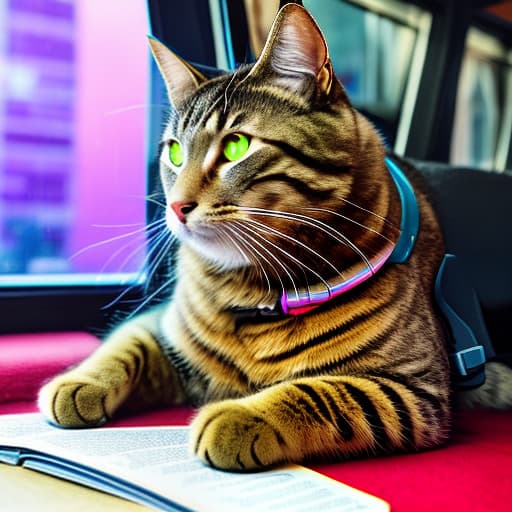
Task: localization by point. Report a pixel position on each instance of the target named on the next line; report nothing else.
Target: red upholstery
(27, 360)
(471, 474)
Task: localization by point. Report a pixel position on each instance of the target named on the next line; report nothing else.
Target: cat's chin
(209, 246)
(222, 257)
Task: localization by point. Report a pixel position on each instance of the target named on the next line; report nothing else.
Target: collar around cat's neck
(298, 302)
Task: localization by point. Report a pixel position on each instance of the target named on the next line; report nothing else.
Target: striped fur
(365, 374)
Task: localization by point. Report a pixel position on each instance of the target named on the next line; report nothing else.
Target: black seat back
(475, 211)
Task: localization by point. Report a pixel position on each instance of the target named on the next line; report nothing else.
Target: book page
(158, 460)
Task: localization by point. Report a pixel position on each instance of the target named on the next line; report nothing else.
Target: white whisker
(152, 243)
(144, 229)
(239, 84)
(155, 201)
(137, 106)
(278, 233)
(273, 256)
(150, 270)
(236, 245)
(141, 242)
(259, 267)
(258, 258)
(117, 299)
(142, 239)
(311, 221)
(148, 299)
(296, 260)
(134, 225)
(161, 252)
(370, 212)
(332, 212)
(226, 100)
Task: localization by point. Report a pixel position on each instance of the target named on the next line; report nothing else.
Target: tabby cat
(275, 186)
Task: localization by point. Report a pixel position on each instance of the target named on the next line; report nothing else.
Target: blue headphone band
(410, 220)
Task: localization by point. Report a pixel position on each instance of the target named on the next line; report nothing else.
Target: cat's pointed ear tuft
(296, 51)
(181, 79)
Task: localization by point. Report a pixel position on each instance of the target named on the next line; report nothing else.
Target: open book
(152, 466)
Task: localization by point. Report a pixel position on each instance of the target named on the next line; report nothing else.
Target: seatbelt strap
(471, 345)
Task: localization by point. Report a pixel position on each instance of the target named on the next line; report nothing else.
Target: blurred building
(37, 77)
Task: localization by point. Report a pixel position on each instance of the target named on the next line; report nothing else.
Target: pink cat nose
(182, 209)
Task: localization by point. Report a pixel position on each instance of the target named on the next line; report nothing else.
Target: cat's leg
(330, 417)
(128, 369)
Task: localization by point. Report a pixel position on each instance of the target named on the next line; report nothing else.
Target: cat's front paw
(75, 401)
(228, 435)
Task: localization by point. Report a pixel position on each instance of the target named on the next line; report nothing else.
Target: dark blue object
(410, 220)
(459, 303)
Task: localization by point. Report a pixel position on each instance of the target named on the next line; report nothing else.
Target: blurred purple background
(73, 86)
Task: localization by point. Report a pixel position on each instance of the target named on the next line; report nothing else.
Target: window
(73, 103)
(483, 116)
(377, 49)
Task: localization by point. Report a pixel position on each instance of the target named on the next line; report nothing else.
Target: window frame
(420, 19)
(433, 118)
(489, 48)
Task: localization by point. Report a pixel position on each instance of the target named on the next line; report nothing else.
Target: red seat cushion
(28, 360)
(470, 473)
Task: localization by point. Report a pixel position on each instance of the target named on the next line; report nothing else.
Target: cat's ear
(295, 52)
(181, 79)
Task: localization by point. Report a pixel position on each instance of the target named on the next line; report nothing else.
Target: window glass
(483, 116)
(372, 52)
(73, 102)
(372, 55)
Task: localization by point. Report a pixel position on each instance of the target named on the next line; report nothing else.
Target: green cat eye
(235, 146)
(175, 153)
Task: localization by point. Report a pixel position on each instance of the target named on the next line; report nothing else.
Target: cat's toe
(74, 403)
(228, 435)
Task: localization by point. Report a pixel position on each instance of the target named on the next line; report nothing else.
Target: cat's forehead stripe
(210, 111)
(235, 120)
(201, 109)
(280, 95)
